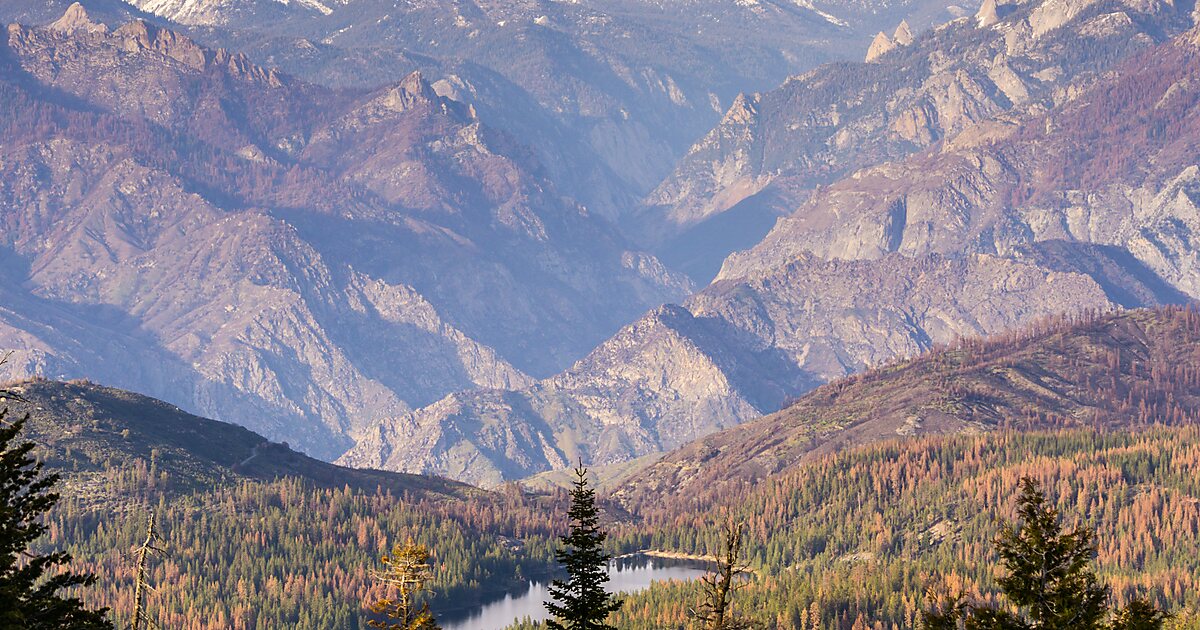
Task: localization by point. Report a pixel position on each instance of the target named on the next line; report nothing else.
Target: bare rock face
(965, 239)
(295, 258)
(76, 19)
(903, 35)
(988, 14)
(826, 124)
(880, 46)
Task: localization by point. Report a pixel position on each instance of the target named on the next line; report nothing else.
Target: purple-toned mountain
(773, 149)
(179, 221)
(1020, 216)
(1115, 371)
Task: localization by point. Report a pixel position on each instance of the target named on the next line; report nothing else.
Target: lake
(627, 575)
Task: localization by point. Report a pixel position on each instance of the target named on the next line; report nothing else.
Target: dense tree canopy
(1048, 580)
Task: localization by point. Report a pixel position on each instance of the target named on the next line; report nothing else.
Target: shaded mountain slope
(88, 430)
(232, 219)
(659, 382)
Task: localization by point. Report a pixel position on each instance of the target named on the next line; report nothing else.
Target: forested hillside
(850, 529)
(1114, 371)
(854, 539)
(256, 535)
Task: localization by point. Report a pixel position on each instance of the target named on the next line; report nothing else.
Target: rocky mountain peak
(903, 35)
(880, 46)
(76, 19)
(141, 35)
(412, 90)
(742, 111)
(988, 15)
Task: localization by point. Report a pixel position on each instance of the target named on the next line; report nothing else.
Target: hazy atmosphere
(600, 314)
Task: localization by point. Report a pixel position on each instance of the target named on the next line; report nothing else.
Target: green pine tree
(581, 603)
(31, 598)
(1048, 580)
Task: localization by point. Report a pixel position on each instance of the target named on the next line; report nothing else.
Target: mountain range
(1023, 214)
(474, 242)
(182, 222)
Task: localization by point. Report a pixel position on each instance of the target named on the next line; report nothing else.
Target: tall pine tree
(580, 602)
(29, 598)
(1048, 580)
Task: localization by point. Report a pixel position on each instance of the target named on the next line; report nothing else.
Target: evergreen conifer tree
(1048, 580)
(30, 599)
(580, 602)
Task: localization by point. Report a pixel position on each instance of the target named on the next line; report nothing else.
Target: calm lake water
(627, 575)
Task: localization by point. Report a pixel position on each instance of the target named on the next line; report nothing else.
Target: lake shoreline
(629, 573)
(668, 555)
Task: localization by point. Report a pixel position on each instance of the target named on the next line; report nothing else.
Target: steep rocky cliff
(180, 221)
(1019, 217)
(774, 148)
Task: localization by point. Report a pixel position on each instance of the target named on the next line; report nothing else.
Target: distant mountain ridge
(967, 238)
(263, 249)
(773, 149)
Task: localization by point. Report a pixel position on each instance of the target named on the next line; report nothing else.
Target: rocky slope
(1012, 219)
(1102, 371)
(772, 149)
(180, 221)
(666, 379)
(736, 351)
(1113, 166)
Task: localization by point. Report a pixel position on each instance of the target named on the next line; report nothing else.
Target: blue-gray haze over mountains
(483, 239)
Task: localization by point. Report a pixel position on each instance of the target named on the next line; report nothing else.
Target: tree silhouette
(716, 610)
(407, 573)
(1048, 580)
(581, 603)
(31, 598)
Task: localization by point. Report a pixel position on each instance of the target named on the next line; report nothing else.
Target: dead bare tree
(141, 619)
(716, 610)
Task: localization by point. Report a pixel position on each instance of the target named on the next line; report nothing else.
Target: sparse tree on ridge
(407, 574)
(1048, 580)
(580, 602)
(31, 583)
